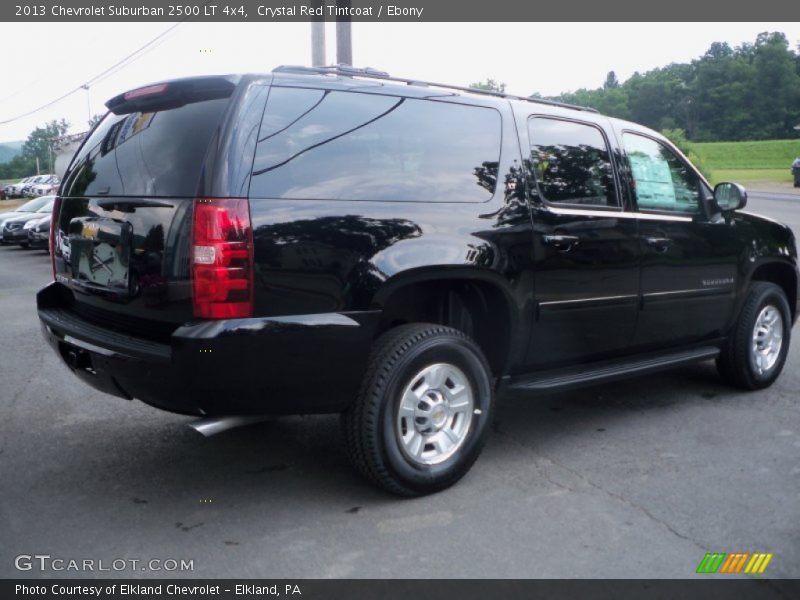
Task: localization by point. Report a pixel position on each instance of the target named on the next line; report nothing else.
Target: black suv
(336, 240)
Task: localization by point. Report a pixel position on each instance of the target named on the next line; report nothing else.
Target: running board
(560, 379)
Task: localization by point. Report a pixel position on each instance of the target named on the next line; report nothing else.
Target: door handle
(659, 243)
(562, 243)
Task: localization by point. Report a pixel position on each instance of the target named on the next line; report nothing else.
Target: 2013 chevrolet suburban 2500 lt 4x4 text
(325, 240)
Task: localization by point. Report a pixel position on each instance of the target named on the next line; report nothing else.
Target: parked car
(30, 207)
(46, 187)
(38, 231)
(14, 229)
(796, 171)
(340, 241)
(14, 190)
(27, 189)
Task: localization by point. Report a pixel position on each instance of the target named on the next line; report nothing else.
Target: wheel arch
(783, 275)
(471, 300)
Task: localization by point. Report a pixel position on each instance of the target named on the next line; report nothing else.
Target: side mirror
(730, 196)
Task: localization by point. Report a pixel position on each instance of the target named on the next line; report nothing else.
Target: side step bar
(561, 379)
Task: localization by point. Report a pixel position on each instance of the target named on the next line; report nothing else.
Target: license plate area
(101, 254)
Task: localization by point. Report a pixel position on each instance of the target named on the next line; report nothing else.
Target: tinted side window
(146, 154)
(661, 180)
(321, 144)
(571, 162)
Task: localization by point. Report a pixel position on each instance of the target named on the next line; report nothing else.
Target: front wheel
(755, 353)
(421, 417)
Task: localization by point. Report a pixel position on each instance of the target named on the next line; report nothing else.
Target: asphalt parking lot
(635, 479)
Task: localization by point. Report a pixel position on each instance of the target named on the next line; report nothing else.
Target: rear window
(157, 153)
(571, 162)
(331, 145)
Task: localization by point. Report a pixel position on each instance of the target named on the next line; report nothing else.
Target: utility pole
(88, 102)
(318, 37)
(344, 42)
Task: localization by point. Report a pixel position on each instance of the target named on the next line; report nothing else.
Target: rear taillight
(53, 227)
(222, 259)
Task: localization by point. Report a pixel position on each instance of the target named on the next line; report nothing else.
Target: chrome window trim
(620, 214)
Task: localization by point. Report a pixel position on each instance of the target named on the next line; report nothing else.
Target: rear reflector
(222, 259)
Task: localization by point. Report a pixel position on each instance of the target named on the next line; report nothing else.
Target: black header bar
(427, 11)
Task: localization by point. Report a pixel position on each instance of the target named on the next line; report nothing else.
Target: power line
(130, 58)
(120, 63)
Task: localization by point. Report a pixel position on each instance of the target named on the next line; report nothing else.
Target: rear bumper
(297, 364)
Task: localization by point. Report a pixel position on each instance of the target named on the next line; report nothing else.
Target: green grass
(769, 160)
(769, 154)
(745, 175)
(12, 180)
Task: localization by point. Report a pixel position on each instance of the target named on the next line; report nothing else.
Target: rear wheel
(754, 355)
(421, 417)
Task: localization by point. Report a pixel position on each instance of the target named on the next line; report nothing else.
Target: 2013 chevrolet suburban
(336, 240)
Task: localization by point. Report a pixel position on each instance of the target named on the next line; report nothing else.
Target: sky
(548, 58)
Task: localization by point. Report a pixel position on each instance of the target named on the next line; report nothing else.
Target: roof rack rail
(370, 73)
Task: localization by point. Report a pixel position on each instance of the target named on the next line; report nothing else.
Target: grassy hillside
(9, 150)
(770, 154)
(769, 160)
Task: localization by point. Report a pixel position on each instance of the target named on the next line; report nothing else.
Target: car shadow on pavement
(292, 461)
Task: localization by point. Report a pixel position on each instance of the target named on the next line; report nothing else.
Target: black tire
(370, 424)
(735, 363)
(23, 245)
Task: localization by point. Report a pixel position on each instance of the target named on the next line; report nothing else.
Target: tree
(745, 93)
(18, 167)
(41, 140)
(777, 105)
(611, 82)
(94, 120)
(678, 137)
(611, 102)
(490, 85)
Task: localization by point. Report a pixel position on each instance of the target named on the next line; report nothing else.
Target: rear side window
(157, 153)
(331, 145)
(571, 163)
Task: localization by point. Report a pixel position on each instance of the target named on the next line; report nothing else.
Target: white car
(15, 189)
(48, 186)
(27, 190)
